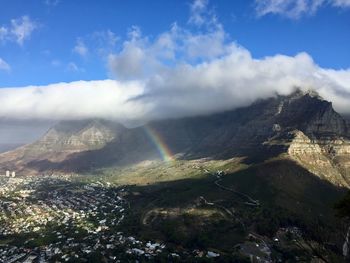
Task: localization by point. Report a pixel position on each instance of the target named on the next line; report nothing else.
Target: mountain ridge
(301, 126)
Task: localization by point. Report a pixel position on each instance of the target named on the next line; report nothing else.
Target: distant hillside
(60, 142)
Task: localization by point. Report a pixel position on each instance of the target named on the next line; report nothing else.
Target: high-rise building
(13, 174)
(7, 173)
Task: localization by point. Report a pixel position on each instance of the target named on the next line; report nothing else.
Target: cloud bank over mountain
(185, 71)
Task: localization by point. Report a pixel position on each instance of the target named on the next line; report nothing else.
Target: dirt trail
(250, 201)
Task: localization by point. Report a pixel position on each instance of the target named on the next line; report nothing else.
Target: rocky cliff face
(312, 115)
(317, 136)
(327, 158)
(302, 126)
(86, 135)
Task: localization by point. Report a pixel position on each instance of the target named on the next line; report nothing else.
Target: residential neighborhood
(59, 219)
(48, 219)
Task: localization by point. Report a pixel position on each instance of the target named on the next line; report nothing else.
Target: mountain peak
(310, 113)
(82, 134)
(307, 92)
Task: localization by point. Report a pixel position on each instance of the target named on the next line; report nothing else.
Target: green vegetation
(154, 172)
(162, 195)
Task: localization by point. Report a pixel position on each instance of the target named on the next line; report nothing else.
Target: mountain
(61, 141)
(301, 127)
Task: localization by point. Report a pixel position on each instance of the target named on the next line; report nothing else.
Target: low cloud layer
(233, 80)
(75, 100)
(181, 72)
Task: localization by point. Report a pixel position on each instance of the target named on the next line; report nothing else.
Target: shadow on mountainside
(288, 195)
(279, 183)
(196, 213)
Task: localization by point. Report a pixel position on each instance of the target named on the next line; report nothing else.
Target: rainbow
(163, 149)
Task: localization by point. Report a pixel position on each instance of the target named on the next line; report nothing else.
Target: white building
(7, 173)
(13, 174)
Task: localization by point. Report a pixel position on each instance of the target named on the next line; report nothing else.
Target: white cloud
(19, 30)
(237, 79)
(198, 10)
(72, 67)
(80, 99)
(177, 73)
(295, 9)
(201, 15)
(22, 28)
(103, 42)
(4, 65)
(105, 38)
(80, 48)
(140, 57)
(131, 61)
(100, 43)
(231, 81)
(51, 3)
(56, 63)
(340, 3)
(3, 33)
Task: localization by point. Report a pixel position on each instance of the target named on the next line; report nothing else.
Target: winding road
(250, 201)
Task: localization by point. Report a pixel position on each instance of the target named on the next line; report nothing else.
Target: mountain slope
(61, 141)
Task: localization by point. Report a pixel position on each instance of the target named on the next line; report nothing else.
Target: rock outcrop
(327, 158)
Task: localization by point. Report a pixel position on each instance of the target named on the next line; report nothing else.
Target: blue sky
(71, 40)
(134, 61)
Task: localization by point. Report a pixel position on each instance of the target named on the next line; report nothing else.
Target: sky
(142, 60)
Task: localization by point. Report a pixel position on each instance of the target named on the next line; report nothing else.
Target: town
(49, 219)
(61, 218)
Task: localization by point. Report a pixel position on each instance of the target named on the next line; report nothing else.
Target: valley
(209, 210)
(254, 184)
(168, 131)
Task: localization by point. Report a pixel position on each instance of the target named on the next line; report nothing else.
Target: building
(7, 173)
